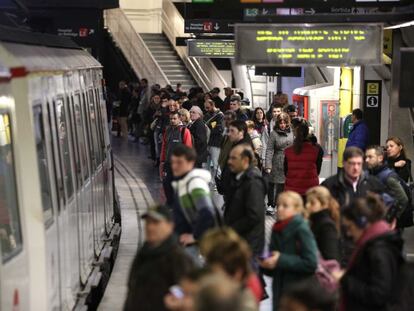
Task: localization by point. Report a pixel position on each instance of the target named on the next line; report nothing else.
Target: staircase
(168, 60)
(259, 89)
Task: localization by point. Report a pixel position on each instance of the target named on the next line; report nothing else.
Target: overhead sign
(309, 44)
(208, 26)
(211, 48)
(278, 71)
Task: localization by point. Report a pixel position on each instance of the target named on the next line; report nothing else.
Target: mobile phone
(177, 291)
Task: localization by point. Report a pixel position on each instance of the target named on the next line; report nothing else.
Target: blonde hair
(323, 195)
(296, 199)
(250, 124)
(185, 113)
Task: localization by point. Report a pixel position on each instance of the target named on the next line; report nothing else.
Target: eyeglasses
(193, 112)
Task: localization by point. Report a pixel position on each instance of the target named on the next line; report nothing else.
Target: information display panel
(309, 44)
(211, 48)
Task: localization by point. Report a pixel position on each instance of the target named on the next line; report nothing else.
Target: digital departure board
(309, 44)
(211, 48)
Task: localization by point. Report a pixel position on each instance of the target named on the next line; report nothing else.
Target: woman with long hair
(303, 161)
(261, 126)
(280, 138)
(397, 158)
(324, 218)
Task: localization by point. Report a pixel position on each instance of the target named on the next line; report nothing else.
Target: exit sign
(202, 1)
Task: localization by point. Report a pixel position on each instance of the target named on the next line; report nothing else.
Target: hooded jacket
(195, 211)
(244, 207)
(372, 274)
(153, 272)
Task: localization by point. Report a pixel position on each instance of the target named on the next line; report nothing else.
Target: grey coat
(275, 155)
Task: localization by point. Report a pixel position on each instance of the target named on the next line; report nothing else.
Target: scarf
(282, 224)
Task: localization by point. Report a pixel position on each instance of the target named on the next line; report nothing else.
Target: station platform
(139, 187)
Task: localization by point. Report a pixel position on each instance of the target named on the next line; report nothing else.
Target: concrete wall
(145, 15)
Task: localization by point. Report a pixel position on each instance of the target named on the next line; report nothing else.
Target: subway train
(56, 185)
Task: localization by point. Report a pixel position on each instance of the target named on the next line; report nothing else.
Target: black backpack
(406, 218)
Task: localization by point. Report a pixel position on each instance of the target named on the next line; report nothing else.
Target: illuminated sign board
(211, 48)
(309, 44)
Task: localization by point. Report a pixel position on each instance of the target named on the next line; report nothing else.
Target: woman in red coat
(303, 161)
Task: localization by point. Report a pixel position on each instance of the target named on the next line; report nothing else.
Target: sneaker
(270, 211)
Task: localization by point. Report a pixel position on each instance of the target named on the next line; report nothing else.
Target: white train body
(56, 192)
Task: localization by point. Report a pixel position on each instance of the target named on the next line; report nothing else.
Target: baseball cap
(235, 97)
(158, 212)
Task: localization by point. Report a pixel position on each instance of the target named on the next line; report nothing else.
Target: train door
(92, 167)
(85, 208)
(62, 130)
(14, 289)
(302, 103)
(100, 215)
(47, 176)
(106, 164)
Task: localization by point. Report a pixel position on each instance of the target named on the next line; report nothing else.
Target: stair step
(163, 53)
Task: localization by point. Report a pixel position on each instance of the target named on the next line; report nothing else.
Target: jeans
(212, 161)
(272, 194)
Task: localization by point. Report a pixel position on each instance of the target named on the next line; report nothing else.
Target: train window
(87, 127)
(100, 121)
(43, 164)
(10, 231)
(62, 131)
(80, 136)
(94, 130)
(74, 140)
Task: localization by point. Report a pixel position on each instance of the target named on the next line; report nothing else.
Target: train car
(56, 190)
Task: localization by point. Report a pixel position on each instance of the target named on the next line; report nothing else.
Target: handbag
(324, 273)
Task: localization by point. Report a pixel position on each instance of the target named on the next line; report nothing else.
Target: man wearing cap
(216, 98)
(159, 264)
(235, 105)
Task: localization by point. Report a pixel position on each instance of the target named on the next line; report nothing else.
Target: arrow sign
(216, 27)
(310, 11)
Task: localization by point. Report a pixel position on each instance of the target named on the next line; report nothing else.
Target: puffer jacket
(303, 168)
(195, 212)
(275, 156)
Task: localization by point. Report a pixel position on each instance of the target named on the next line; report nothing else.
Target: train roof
(36, 52)
(14, 35)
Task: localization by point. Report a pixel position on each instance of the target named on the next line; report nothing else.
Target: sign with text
(372, 109)
(211, 48)
(310, 44)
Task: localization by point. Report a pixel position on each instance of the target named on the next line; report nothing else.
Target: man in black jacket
(352, 181)
(244, 205)
(158, 265)
(199, 131)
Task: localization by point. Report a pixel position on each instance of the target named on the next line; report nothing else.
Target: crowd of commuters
(333, 246)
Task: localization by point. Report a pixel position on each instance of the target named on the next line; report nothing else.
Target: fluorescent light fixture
(403, 25)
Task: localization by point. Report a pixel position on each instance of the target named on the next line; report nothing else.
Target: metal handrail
(203, 70)
(133, 47)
